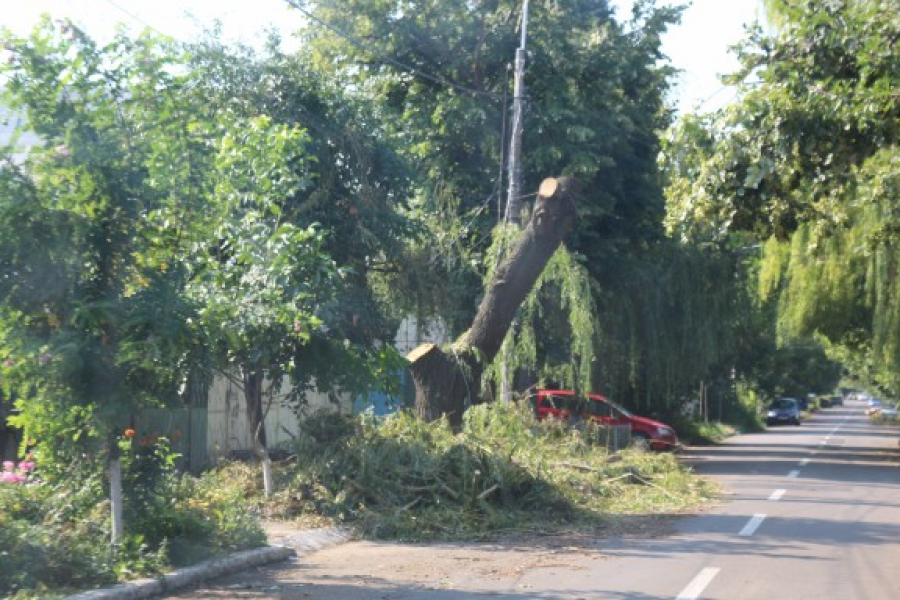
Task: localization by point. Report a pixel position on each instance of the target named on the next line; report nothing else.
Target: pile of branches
(400, 478)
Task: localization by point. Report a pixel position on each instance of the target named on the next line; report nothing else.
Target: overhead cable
(401, 65)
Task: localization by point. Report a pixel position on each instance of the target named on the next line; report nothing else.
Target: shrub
(55, 534)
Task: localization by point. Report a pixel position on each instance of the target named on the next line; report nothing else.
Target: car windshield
(784, 403)
(619, 408)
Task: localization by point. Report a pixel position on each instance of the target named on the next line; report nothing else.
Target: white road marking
(793, 474)
(698, 584)
(752, 525)
(777, 495)
(804, 462)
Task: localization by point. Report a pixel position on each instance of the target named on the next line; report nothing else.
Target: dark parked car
(784, 411)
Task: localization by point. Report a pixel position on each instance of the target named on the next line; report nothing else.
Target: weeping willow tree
(554, 336)
(841, 283)
(649, 335)
(806, 161)
(448, 379)
(596, 96)
(669, 324)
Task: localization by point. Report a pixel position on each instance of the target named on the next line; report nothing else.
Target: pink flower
(10, 474)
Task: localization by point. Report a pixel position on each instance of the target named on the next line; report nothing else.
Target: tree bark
(253, 396)
(448, 380)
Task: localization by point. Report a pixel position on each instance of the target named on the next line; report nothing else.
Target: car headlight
(772, 413)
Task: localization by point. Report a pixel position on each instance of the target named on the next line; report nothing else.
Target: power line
(401, 65)
(137, 18)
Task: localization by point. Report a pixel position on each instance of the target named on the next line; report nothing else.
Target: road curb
(181, 578)
(287, 546)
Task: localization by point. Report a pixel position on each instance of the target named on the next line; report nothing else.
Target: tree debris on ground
(397, 477)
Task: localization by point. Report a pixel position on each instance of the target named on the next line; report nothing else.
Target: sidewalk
(286, 542)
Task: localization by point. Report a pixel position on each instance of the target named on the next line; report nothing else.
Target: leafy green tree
(437, 76)
(94, 322)
(806, 159)
(259, 288)
(796, 369)
(438, 73)
(94, 325)
(152, 235)
(350, 185)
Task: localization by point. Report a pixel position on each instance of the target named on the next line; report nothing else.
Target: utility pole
(514, 195)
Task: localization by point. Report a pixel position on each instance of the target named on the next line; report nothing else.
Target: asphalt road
(807, 512)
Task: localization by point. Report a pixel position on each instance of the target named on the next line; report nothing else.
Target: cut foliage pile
(401, 478)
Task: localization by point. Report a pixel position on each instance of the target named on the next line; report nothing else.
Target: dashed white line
(752, 525)
(698, 584)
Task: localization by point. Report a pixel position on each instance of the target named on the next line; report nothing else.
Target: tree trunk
(253, 396)
(448, 381)
(115, 500)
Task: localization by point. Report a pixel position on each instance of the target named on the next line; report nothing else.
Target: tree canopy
(439, 76)
(806, 161)
(157, 232)
(201, 207)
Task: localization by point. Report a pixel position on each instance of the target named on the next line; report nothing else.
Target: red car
(563, 404)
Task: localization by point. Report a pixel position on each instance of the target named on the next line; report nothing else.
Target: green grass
(698, 433)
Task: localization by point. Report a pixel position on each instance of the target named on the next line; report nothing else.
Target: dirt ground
(392, 571)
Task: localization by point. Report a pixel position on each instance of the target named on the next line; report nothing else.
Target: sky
(699, 46)
(181, 19)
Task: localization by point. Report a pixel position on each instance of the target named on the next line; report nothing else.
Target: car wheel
(797, 421)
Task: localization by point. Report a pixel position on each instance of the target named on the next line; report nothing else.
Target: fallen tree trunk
(448, 380)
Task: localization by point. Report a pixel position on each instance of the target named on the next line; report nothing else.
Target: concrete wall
(228, 430)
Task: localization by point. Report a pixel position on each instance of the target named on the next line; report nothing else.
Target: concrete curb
(181, 578)
(304, 541)
(314, 539)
